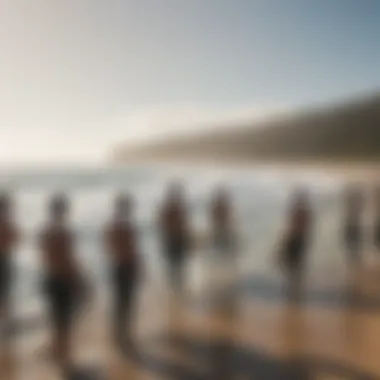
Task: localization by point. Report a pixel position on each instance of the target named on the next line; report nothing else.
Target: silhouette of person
(377, 218)
(352, 228)
(222, 221)
(63, 282)
(297, 234)
(122, 246)
(174, 233)
(9, 235)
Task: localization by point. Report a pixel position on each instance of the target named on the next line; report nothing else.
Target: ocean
(259, 196)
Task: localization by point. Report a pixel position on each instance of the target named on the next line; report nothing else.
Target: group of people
(297, 237)
(65, 286)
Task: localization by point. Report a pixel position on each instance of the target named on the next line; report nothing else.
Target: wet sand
(232, 320)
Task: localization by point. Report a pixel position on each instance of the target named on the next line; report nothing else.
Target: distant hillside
(347, 132)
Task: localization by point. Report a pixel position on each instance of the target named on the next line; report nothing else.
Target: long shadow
(273, 291)
(223, 360)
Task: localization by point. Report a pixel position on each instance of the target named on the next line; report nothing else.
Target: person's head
(58, 207)
(123, 205)
(5, 204)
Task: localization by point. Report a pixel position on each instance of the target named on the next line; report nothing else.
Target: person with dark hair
(174, 233)
(297, 235)
(222, 221)
(121, 244)
(63, 281)
(352, 225)
(9, 235)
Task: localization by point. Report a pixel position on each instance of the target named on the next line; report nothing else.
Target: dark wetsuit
(5, 277)
(352, 234)
(222, 234)
(377, 232)
(61, 299)
(352, 230)
(125, 267)
(352, 237)
(297, 239)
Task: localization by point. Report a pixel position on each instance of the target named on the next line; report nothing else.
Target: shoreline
(347, 170)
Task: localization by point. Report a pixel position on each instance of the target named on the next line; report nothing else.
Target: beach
(252, 290)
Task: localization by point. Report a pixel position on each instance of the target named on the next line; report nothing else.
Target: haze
(77, 76)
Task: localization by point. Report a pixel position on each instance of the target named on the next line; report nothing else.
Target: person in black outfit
(174, 233)
(297, 235)
(222, 221)
(352, 228)
(377, 218)
(122, 247)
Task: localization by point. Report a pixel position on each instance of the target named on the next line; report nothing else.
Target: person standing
(377, 218)
(222, 221)
(352, 224)
(63, 281)
(9, 236)
(297, 236)
(174, 233)
(122, 247)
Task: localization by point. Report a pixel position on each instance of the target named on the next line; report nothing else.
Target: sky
(78, 76)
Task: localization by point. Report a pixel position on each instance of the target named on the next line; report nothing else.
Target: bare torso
(58, 252)
(173, 221)
(121, 243)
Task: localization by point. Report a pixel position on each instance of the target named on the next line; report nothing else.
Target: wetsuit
(352, 238)
(377, 233)
(352, 233)
(222, 235)
(5, 277)
(296, 242)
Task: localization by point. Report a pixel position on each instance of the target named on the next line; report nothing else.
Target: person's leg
(5, 277)
(61, 316)
(296, 256)
(119, 306)
(377, 237)
(353, 245)
(130, 298)
(178, 270)
(353, 251)
(131, 295)
(172, 265)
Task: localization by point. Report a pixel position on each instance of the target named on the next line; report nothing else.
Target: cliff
(349, 131)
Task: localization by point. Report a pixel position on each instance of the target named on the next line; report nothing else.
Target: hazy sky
(78, 75)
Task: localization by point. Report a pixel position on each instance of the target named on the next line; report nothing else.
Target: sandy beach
(234, 310)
